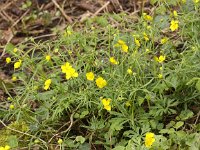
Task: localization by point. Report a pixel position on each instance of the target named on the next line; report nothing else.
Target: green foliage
(150, 83)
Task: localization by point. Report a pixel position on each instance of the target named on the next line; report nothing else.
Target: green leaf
(80, 139)
(117, 124)
(12, 141)
(140, 100)
(185, 114)
(179, 124)
(163, 131)
(171, 130)
(198, 85)
(85, 146)
(119, 148)
(84, 113)
(153, 124)
(9, 47)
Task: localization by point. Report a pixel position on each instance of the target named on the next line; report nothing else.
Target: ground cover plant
(116, 81)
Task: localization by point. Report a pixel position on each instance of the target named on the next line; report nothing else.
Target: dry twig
(71, 123)
(100, 9)
(62, 11)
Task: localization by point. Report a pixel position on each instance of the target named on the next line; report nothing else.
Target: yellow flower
(48, 58)
(11, 106)
(69, 71)
(106, 103)
(148, 27)
(147, 50)
(146, 37)
(113, 61)
(128, 103)
(161, 68)
(129, 71)
(15, 50)
(160, 59)
(121, 42)
(107, 107)
(164, 40)
(160, 76)
(68, 32)
(195, 1)
(18, 64)
(137, 42)
(183, 1)
(100, 82)
(149, 139)
(7, 147)
(14, 78)
(8, 60)
(90, 76)
(174, 25)
(147, 17)
(66, 67)
(47, 84)
(175, 13)
(60, 141)
(125, 48)
(123, 45)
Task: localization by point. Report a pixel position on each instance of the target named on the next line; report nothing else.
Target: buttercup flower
(123, 45)
(8, 60)
(121, 42)
(48, 58)
(100, 82)
(14, 78)
(147, 50)
(47, 84)
(147, 17)
(183, 1)
(60, 141)
(129, 71)
(90, 76)
(15, 50)
(128, 103)
(174, 25)
(149, 139)
(113, 61)
(160, 59)
(175, 13)
(69, 71)
(160, 76)
(164, 40)
(18, 64)
(195, 1)
(106, 103)
(137, 42)
(125, 48)
(11, 106)
(7, 147)
(146, 37)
